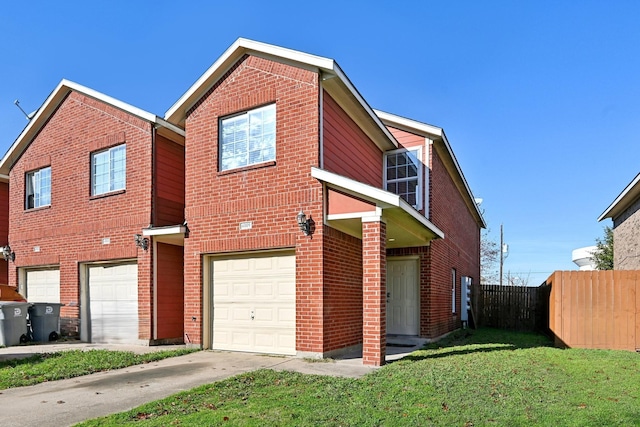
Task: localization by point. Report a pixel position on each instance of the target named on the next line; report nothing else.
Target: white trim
(52, 102)
(373, 218)
(245, 46)
(382, 198)
(164, 231)
(608, 213)
(426, 130)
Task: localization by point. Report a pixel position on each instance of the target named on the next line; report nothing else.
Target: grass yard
(73, 363)
(473, 378)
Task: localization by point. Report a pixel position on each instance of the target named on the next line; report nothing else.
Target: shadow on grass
(17, 359)
(481, 340)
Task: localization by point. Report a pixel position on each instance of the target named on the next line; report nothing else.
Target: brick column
(374, 287)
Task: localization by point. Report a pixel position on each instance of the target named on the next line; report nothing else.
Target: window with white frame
(108, 170)
(403, 174)
(249, 138)
(38, 188)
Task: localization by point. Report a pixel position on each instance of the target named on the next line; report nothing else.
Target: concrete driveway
(65, 402)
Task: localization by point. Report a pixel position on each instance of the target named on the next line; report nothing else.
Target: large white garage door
(113, 302)
(254, 304)
(43, 285)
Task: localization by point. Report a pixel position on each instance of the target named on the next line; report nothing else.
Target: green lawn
(474, 378)
(73, 363)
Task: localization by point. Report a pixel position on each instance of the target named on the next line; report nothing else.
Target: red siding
(169, 171)
(347, 150)
(170, 287)
(4, 228)
(72, 229)
(342, 268)
(269, 195)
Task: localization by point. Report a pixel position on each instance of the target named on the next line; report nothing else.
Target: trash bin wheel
(53, 336)
(23, 338)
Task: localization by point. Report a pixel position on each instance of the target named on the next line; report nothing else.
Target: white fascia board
(164, 231)
(409, 124)
(235, 51)
(53, 101)
(245, 46)
(382, 198)
(608, 212)
(428, 130)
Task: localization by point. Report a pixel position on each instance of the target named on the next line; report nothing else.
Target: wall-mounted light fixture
(141, 242)
(7, 253)
(304, 223)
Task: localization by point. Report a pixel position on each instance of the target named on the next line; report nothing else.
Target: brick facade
(78, 228)
(626, 237)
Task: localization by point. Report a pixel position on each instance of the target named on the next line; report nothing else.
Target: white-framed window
(109, 170)
(403, 174)
(38, 188)
(453, 290)
(248, 138)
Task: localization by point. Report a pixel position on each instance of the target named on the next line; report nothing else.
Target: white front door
(403, 302)
(254, 303)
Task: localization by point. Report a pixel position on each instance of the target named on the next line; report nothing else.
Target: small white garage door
(43, 285)
(254, 304)
(113, 302)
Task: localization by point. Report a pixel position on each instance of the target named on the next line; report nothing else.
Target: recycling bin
(45, 321)
(13, 323)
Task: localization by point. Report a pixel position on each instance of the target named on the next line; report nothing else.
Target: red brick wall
(170, 288)
(459, 249)
(374, 285)
(342, 290)
(169, 183)
(344, 141)
(4, 228)
(269, 195)
(72, 229)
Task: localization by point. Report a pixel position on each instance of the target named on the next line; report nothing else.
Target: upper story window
(108, 170)
(38, 188)
(403, 174)
(248, 138)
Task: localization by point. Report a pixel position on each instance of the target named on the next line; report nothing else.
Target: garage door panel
(113, 302)
(43, 285)
(254, 304)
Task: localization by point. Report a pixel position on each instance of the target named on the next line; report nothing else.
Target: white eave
(437, 134)
(402, 219)
(327, 68)
(172, 234)
(54, 100)
(629, 195)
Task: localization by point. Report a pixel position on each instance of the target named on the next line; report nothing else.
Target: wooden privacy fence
(595, 309)
(519, 308)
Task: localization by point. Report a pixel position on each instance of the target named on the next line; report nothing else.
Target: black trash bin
(45, 321)
(13, 323)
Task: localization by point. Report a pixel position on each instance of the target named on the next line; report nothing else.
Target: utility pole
(501, 254)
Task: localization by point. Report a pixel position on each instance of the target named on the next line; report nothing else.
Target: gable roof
(629, 195)
(334, 81)
(442, 144)
(53, 101)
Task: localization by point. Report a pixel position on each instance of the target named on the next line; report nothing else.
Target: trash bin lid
(9, 293)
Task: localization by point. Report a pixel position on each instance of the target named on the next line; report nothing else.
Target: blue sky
(540, 100)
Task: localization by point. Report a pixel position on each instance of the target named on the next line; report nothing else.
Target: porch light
(303, 223)
(8, 254)
(141, 242)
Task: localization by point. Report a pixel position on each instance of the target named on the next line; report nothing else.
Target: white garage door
(43, 285)
(254, 304)
(113, 302)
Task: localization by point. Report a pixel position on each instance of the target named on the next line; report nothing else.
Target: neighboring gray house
(625, 213)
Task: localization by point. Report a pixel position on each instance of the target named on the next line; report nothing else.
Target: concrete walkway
(65, 402)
